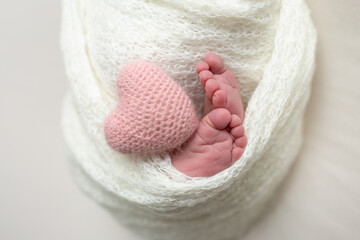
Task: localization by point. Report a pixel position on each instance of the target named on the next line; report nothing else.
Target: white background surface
(320, 199)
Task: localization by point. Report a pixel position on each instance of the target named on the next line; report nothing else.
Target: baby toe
(204, 76)
(218, 118)
(235, 121)
(219, 99)
(215, 63)
(236, 153)
(241, 142)
(201, 66)
(238, 131)
(211, 87)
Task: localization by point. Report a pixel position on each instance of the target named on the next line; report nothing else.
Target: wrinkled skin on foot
(219, 141)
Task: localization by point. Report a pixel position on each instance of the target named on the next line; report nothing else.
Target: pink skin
(220, 85)
(219, 140)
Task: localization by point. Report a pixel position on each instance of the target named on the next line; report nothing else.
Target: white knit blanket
(268, 44)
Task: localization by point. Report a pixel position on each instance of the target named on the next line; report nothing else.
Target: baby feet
(220, 85)
(219, 140)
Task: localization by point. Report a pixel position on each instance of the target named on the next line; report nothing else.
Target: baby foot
(221, 87)
(218, 142)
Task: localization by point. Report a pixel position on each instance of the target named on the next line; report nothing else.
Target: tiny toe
(218, 118)
(201, 66)
(235, 121)
(211, 87)
(241, 142)
(204, 76)
(215, 63)
(238, 131)
(219, 99)
(236, 154)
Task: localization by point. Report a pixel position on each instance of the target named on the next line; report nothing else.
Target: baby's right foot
(220, 84)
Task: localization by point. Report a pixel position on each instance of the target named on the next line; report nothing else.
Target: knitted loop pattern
(270, 47)
(154, 114)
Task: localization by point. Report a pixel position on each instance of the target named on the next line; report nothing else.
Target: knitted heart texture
(154, 114)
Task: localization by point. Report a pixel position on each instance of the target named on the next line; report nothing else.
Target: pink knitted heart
(154, 113)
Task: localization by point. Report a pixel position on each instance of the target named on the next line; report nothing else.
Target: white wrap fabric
(268, 44)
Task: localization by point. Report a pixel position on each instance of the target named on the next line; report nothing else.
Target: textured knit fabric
(268, 44)
(154, 114)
